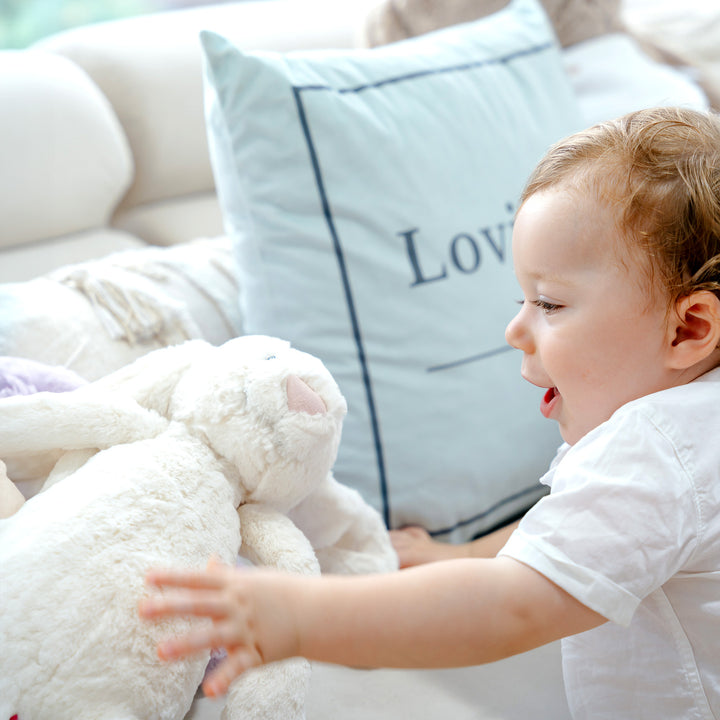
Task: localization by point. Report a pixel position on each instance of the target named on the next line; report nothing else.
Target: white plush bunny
(189, 452)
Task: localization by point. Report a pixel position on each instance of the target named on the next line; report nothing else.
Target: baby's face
(592, 332)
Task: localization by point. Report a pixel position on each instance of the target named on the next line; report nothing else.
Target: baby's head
(659, 171)
(616, 248)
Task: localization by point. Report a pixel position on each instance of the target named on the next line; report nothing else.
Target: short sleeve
(621, 518)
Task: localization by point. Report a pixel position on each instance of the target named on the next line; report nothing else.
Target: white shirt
(631, 528)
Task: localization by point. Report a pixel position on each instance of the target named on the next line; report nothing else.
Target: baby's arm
(455, 613)
(415, 546)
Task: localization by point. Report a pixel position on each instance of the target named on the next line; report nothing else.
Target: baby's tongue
(548, 401)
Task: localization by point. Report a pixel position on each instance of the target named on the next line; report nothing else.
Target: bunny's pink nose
(302, 398)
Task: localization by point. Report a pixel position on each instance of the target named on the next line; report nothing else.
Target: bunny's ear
(151, 379)
(82, 418)
(115, 409)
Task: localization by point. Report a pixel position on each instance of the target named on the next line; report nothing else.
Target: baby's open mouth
(549, 400)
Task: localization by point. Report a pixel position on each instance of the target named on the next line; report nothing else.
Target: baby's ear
(696, 328)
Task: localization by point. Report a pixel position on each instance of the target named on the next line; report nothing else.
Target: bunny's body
(70, 596)
(241, 437)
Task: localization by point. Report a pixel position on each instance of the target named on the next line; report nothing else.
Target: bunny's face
(273, 412)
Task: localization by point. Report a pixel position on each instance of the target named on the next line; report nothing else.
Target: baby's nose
(517, 334)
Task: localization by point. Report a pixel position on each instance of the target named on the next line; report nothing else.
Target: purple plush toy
(19, 376)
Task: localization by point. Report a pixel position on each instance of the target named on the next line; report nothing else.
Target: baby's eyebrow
(549, 276)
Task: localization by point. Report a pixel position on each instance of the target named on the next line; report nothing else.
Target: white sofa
(103, 149)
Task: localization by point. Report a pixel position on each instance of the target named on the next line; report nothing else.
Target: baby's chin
(569, 437)
(572, 433)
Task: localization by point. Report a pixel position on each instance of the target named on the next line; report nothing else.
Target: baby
(616, 248)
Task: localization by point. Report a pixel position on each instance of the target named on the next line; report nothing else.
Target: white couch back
(103, 139)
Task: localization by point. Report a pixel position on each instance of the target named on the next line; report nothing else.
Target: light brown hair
(659, 169)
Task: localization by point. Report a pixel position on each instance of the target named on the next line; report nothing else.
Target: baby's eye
(546, 307)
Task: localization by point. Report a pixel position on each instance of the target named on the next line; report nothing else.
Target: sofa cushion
(370, 196)
(150, 67)
(65, 159)
(30, 260)
(611, 76)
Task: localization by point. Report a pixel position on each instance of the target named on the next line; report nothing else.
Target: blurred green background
(22, 22)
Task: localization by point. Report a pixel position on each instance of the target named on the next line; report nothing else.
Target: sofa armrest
(65, 160)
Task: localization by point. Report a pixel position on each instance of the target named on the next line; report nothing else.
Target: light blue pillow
(370, 197)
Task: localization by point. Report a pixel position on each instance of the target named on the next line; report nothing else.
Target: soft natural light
(23, 22)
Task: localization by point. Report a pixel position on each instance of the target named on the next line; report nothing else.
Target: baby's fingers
(214, 637)
(212, 578)
(195, 603)
(237, 662)
(184, 645)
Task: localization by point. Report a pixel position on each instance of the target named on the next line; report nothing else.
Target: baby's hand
(247, 616)
(415, 546)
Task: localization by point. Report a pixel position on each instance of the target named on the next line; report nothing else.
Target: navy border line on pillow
(535, 489)
(298, 91)
(470, 359)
